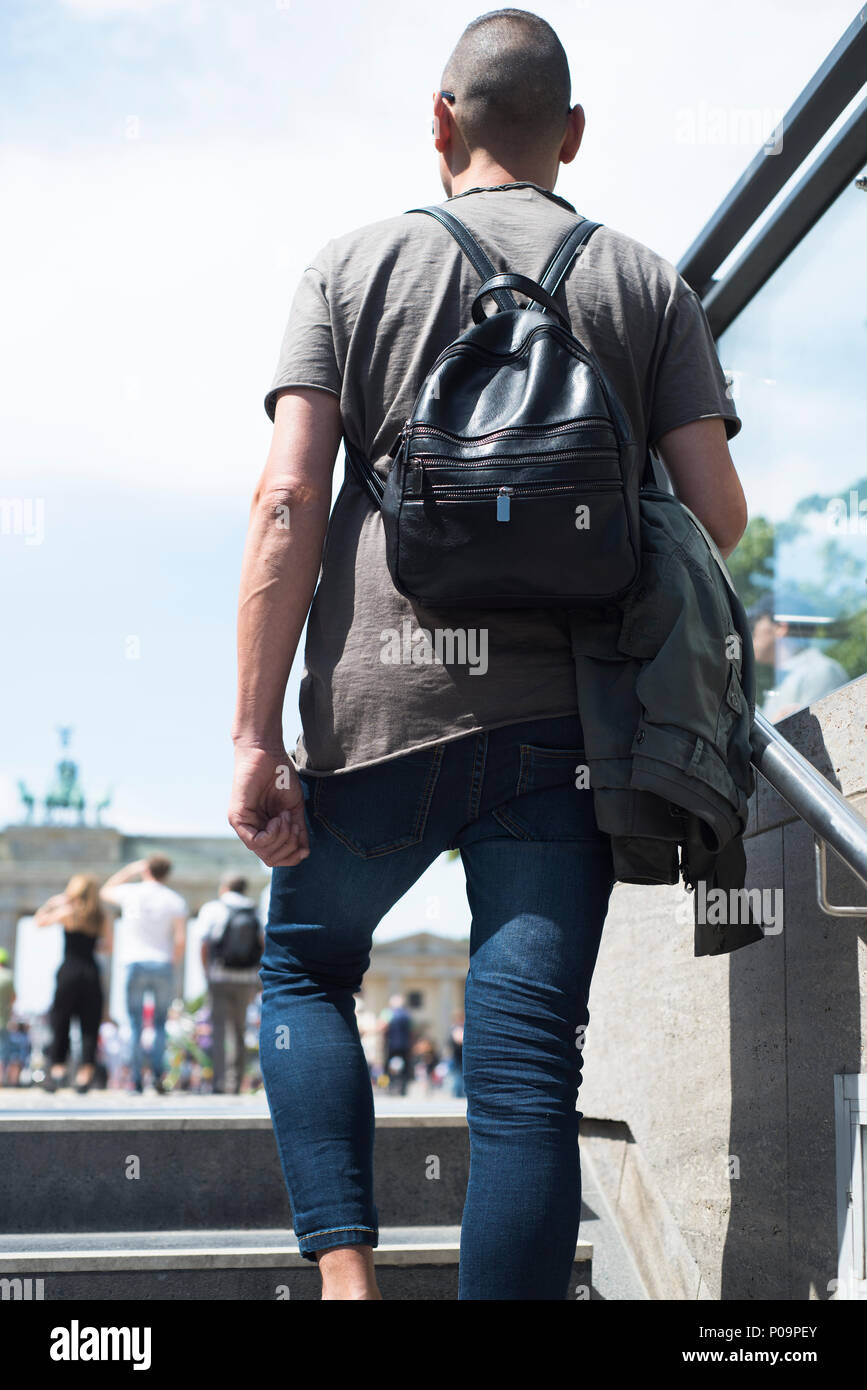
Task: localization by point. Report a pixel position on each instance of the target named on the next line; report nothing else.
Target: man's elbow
(281, 505)
(269, 495)
(730, 529)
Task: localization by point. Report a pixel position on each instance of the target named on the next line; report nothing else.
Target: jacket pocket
(733, 732)
(377, 810)
(732, 704)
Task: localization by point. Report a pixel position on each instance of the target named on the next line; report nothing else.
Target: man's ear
(574, 135)
(441, 124)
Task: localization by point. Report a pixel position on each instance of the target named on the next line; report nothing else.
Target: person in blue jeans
(539, 874)
(156, 978)
(151, 936)
(428, 730)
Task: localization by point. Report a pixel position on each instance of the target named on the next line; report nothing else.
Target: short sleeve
(307, 356)
(689, 382)
(205, 921)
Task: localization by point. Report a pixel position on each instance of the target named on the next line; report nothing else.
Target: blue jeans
(538, 877)
(158, 978)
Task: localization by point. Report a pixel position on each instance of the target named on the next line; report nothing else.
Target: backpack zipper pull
(504, 503)
(400, 440)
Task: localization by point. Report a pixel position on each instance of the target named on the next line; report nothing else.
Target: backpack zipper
(509, 431)
(409, 430)
(448, 490)
(421, 462)
(445, 492)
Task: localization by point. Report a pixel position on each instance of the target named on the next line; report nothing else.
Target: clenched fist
(266, 810)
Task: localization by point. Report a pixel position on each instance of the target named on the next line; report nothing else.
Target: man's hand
(124, 875)
(266, 810)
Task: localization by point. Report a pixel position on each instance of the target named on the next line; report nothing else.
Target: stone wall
(695, 1068)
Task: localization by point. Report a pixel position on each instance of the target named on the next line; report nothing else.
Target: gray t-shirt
(371, 313)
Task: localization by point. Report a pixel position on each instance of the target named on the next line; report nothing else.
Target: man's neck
(486, 173)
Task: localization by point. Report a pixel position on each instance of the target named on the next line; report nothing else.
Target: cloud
(147, 301)
(108, 9)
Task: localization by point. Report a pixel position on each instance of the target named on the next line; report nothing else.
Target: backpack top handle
(524, 285)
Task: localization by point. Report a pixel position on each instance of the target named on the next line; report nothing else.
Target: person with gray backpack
(231, 945)
(500, 368)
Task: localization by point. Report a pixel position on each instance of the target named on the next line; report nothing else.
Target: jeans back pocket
(377, 810)
(553, 800)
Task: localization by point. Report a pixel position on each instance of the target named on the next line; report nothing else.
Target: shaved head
(510, 78)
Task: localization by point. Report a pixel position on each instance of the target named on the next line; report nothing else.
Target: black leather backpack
(240, 945)
(515, 480)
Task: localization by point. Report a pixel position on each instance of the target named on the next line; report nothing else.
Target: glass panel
(797, 358)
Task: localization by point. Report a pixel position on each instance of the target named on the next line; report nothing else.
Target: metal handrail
(819, 805)
(811, 115)
(793, 219)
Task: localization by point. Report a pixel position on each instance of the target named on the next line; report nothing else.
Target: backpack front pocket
(529, 542)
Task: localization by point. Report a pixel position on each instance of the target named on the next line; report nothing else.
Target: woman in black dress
(78, 993)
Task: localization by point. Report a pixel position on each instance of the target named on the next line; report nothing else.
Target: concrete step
(74, 1172)
(413, 1263)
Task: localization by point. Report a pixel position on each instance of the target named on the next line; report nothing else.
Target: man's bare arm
(697, 459)
(124, 875)
(288, 521)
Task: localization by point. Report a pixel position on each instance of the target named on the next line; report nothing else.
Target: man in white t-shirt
(231, 987)
(150, 938)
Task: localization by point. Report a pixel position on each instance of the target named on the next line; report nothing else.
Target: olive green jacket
(666, 696)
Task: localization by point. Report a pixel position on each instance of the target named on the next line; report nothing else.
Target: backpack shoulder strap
(471, 249)
(566, 252)
(365, 473)
(552, 277)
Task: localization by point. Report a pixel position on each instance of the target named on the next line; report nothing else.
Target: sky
(170, 167)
